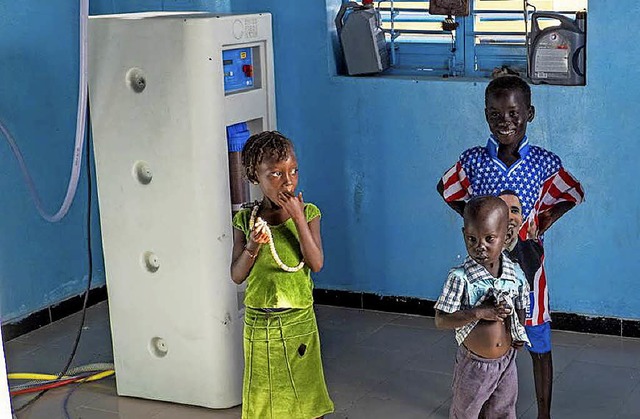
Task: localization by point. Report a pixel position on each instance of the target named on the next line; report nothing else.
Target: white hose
(81, 119)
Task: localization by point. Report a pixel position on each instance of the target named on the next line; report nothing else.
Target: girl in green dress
(277, 244)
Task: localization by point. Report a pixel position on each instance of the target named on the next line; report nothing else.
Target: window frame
(468, 59)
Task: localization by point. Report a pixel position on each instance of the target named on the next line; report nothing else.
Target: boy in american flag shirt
(545, 189)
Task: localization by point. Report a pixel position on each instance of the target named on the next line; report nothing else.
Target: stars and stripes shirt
(538, 179)
(470, 284)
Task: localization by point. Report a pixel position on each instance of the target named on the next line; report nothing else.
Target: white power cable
(81, 119)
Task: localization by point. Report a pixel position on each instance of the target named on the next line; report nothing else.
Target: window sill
(418, 78)
(412, 78)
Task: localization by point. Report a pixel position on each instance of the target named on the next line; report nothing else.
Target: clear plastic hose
(81, 119)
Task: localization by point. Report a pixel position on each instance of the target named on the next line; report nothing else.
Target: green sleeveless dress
(283, 375)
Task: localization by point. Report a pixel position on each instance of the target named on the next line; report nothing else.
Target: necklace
(263, 224)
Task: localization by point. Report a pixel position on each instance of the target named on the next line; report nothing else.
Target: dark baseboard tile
(584, 324)
(338, 298)
(406, 305)
(631, 328)
(23, 326)
(366, 301)
(411, 305)
(51, 314)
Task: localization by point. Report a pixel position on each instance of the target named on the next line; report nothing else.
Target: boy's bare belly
(489, 339)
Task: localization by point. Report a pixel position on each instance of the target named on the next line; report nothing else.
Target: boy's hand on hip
(548, 218)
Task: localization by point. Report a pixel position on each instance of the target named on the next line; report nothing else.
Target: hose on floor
(54, 383)
(89, 372)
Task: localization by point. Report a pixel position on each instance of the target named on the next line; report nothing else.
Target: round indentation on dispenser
(142, 172)
(151, 261)
(158, 347)
(136, 79)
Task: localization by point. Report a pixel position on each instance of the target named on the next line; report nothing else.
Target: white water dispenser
(163, 89)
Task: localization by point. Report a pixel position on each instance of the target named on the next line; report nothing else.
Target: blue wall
(43, 263)
(371, 151)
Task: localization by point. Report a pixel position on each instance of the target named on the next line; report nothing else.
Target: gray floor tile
(324, 312)
(438, 357)
(88, 412)
(51, 333)
(335, 342)
(419, 391)
(338, 414)
(51, 405)
(442, 412)
(530, 413)
(14, 351)
(345, 387)
(410, 340)
(377, 365)
(370, 364)
(39, 360)
(90, 394)
(371, 407)
(526, 386)
(631, 407)
(53, 359)
(563, 356)
(360, 323)
(409, 320)
(128, 407)
(348, 328)
(589, 390)
(560, 337)
(614, 351)
(193, 412)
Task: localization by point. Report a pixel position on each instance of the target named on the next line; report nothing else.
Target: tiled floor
(378, 365)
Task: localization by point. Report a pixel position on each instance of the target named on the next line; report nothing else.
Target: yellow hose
(36, 376)
(99, 375)
(32, 376)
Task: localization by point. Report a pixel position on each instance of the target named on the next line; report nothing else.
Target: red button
(247, 69)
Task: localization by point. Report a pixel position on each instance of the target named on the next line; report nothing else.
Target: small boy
(484, 300)
(545, 190)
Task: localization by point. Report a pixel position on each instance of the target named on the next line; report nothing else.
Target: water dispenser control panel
(239, 69)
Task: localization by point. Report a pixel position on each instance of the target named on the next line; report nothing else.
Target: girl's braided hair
(266, 145)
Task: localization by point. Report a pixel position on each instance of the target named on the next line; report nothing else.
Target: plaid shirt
(469, 284)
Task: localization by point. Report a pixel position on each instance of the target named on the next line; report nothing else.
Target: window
(492, 35)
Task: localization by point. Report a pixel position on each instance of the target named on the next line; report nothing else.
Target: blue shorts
(540, 338)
